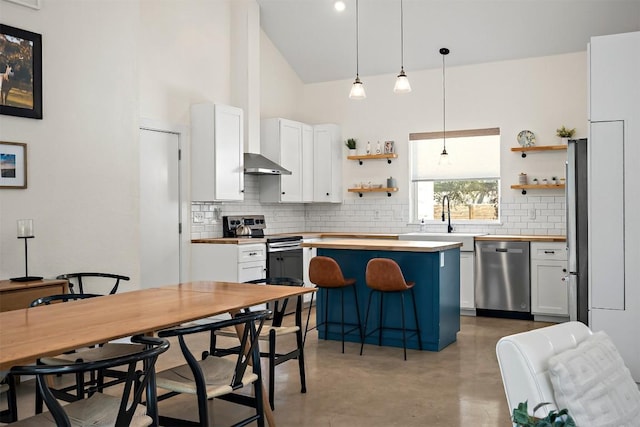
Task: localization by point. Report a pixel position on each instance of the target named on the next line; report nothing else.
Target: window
(471, 180)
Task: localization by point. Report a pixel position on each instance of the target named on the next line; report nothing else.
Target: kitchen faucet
(449, 227)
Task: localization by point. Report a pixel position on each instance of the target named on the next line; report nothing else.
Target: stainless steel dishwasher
(502, 281)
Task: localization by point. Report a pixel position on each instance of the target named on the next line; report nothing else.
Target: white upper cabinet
(281, 142)
(217, 158)
(327, 163)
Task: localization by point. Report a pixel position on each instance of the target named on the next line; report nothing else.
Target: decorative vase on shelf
(562, 181)
(544, 181)
(564, 141)
(353, 151)
(522, 179)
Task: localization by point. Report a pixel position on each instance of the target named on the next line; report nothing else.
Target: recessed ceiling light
(339, 5)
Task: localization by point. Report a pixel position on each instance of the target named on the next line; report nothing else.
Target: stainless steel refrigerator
(577, 230)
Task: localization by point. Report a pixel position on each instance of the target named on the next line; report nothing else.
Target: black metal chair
(8, 387)
(76, 279)
(383, 275)
(217, 377)
(99, 408)
(88, 354)
(270, 334)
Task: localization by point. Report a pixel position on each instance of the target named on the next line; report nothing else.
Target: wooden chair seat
(217, 372)
(98, 410)
(93, 354)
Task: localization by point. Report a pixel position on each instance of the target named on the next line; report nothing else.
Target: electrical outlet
(376, 214)
(198, 217)
(532, 213)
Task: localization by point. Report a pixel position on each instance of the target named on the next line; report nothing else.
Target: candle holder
(25, 231)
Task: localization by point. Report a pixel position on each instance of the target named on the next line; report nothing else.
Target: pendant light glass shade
(402, 81)
(357, 89)
(445, 159)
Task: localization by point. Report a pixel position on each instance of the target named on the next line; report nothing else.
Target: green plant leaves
(553, 419)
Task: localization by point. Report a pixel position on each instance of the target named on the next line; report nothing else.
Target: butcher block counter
(521, 238)
(433, 266)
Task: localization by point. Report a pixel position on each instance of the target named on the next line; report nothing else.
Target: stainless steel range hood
(257, 164)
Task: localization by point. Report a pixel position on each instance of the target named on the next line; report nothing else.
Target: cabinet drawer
(549, 251)
(252, 252)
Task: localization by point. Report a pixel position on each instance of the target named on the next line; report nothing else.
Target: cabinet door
(217, 158)
(549, 292)
(291, 159)
(229, 154)
(307, 163)
(251, 270)
(327, 149)
(307, 254)
(467, 293)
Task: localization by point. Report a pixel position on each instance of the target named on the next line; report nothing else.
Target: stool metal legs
(326, 321)
(380, 327)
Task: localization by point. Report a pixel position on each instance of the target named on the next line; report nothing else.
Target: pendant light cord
(444, 109)
(357, 43)
(401, 37)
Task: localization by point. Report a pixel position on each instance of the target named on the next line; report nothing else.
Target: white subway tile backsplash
(357, 214)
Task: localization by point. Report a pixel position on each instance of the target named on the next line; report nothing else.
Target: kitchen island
(433, 266)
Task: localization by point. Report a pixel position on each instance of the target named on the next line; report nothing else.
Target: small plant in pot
(554, 418)
(351, 145)
(565, 133)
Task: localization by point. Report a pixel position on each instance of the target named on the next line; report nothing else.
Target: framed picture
(13, 165)
(20, 72)
(389, 147)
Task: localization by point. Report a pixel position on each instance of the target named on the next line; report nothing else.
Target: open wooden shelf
(525, 187)
(524, 150)
(362, 157)
(387, 190)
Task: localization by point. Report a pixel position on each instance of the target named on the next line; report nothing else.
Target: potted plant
(554, 180)
(565, 133)
(351, 145)
(535, 181)
(554, 418)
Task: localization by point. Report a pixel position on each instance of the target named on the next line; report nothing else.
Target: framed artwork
(389, 147)
(13, 165)
(20, 72)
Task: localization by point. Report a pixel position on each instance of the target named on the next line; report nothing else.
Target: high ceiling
(320, 43)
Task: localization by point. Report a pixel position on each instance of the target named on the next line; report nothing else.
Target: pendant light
(444, 156)
(402, 81)
(357, 89)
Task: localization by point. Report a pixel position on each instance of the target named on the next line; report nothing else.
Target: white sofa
(524, 357)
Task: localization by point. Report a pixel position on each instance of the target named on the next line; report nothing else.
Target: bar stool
(326, 274)
(384, 275)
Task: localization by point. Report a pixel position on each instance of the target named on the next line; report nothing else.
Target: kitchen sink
(467, 239)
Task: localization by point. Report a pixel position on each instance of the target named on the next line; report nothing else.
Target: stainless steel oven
(284, 259)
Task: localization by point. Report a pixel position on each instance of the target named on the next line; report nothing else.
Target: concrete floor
(458, 386)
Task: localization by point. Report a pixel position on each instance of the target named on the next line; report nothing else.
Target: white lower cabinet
(549, 290)
(229, 263)
(467, 290)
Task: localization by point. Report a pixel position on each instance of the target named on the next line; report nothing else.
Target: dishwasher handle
(502, 250)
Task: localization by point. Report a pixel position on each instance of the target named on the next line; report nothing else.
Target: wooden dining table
(30, 333)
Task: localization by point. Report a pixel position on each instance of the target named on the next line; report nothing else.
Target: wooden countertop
(521, 238)
(375, 236)
(305, 235)
(383, 245)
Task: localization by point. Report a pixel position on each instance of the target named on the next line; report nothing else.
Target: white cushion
(593, 383)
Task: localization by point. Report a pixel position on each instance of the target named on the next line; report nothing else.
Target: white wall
(82, 156)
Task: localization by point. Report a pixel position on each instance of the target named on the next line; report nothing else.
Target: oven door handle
(282, 248)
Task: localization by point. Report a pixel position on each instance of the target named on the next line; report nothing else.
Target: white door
(159, 208)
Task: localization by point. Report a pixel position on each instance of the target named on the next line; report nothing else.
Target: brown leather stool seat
(383, 276)
(326, 274)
